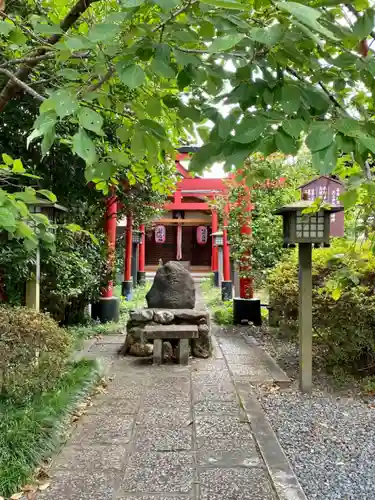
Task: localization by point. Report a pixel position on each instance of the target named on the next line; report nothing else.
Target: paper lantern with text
(202, 235)
(160, 234)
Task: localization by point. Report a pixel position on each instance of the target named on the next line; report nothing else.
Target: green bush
(223, 313)
(34, 352)
(343, 303)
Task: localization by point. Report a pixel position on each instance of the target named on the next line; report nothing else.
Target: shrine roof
(202, 184)
(326, 177)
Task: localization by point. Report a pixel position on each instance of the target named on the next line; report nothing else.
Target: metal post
(305, 316)
(135, 264)
(220, 265)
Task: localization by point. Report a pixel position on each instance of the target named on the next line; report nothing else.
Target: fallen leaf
(17, 496)
(42, 475)
(29, 487)
(43, 486)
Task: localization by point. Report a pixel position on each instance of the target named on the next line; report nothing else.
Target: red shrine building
(183, 232)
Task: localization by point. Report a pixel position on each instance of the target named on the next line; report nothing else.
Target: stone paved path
(175, 433)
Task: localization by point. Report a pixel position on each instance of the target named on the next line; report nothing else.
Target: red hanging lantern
(202, 235)
(160, 234)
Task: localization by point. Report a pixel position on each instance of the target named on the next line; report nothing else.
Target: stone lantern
(306, 227)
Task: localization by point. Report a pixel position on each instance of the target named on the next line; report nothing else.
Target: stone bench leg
(158, 352)
(183, 351)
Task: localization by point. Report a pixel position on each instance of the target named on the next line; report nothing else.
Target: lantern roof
(303, 204)
(326, 177)
(218, 233)
(44, 203)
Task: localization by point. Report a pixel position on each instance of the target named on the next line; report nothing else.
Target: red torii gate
(109, 304)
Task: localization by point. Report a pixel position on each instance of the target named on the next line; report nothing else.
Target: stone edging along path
(259, 367)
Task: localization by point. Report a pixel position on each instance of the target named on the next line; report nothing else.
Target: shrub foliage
(343, 303)
(34, 352)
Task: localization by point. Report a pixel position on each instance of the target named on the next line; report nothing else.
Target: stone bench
(182, 333)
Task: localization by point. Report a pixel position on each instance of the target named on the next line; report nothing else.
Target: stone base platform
(137, 342)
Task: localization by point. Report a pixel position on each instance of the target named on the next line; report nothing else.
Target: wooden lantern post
(306, 230)
(52, 211)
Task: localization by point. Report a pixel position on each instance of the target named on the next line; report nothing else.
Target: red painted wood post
(246, 284)
(226, 251)
(128, 248)
(142, 250)
(110, 227)
(215, 228)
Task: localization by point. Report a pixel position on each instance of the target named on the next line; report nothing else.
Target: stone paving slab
(81, 485)
(235, 484)
(83, 456)
(174, 432)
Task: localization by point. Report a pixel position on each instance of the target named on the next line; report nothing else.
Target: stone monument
(171, 301)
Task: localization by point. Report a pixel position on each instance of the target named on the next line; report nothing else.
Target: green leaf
(268, 36)
(349, 198)
(69, 74)
(131, 75)
(348, 126)
(184, 78)
(364, 25)
(130, 4)
(103, 32)
(47, 194)
(290, 98)
(161, 68)
(28, 195)
(368, 141)
(203, 157)
(227, 4)
(90, 120)
(7, 220)
(154, 127)
(207, 30)
(306, 15)
(84, 147)
(124, 133)
(23, 230)
(47, 237)
(250, 129)
(286, 144)
(40, 219)
(324, 160)
(100, 172)
(138, 147)
(120, 157)
(65, 102)
(6, 28)
(74, 228)
(48, 140)
(167, 4)
(8, 160)
(225, 42)
(293, 127)
(47, 29)
(336, 293)
(153, 106)
(75, 43)
(320, 137)
(18, 168)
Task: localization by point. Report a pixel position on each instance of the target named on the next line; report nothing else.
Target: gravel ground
(328, 436)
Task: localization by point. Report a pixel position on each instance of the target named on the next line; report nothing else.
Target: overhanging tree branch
(19, 83)
(11, 88)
